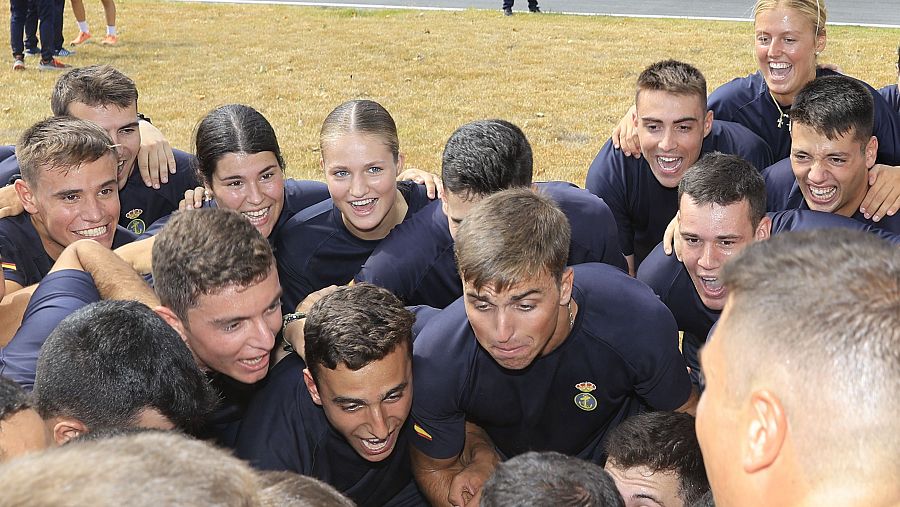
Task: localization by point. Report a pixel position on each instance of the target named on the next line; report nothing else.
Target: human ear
(67, 429)
(565, 286)
(764, 229)
(311, 387)
(766, 432)
(173, 321)
(26, 196)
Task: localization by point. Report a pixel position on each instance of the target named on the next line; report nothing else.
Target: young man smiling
(339, 417)
(674, 128)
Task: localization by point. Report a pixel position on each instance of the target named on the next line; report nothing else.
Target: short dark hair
(672, 76)
(550, 478)
(110, 360)
(232, 128)
(204, 251)
(13, 398)
(509, 237)
(93, 86)
(834, 106)
(60, 143)
(662, 442)
(486, 156)
(355, 326)
(722, 179)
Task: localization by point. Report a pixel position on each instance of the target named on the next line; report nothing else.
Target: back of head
(287, 489)
(813, 10)
(60, 143)
(663, 442)
(824, 310)
(510, 237)
(143, 470)
(549, 478)
(834, 106)
(672, 76)
(722, 179)
(93, 86)
(204, 251)
(365, 117)
(12, 398)
(354, 326)
(232, 128)
(486, 156)
(106, 363)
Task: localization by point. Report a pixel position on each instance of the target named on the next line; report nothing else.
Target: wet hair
(510, 237)
(835, 106)
(486, 156)
(813, 10)
(722, 179)
(205, 251)
(61, 143)
(672, 76)
(13, 398)
(93, 86)
(355, 326)
(143, 470)
(365, 117)
(110, 360)
(549, 478)
(819, 312)
(232, 128)
(662, 442)
(287, 489)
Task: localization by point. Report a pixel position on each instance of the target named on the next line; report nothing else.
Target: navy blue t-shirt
(642, 206)
(315, 248)
(60, 294)
(24, 259)
(746, 100)
(783, 193)
(611, 366)
(892, 96)
(9, 166)
(416, 262)
(285, 430)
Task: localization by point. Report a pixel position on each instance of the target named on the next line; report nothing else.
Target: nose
(668, 141)
(817, 172)
(264, 337)
(358, 187)
(378, 422)
(708, 259)
(254, 195)
(92, 211)
(505, 328)
(775, 47)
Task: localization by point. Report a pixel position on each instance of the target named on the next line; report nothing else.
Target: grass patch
(564, 79)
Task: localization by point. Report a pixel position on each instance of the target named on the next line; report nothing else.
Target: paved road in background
(859, 12)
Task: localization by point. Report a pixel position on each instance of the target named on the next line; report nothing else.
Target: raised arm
(113, 277)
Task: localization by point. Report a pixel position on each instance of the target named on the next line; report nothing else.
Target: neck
(52, 248)
(852, 206)
(565, 319)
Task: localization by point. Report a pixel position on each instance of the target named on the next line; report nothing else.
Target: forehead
(461, 204)
(84, 176)
(540, 282)
(354, 145)
(782, 18)
(237, 299)
(235, 163)
(807, 138)
(372, 380)
(712, 217)
(109, 116)
(663, 104)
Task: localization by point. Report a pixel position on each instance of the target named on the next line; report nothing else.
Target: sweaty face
(518, 325)
(368, 406)
(71, 204)
(457, 208)
(361, 175)
(785, 49)
(671, 129)
(712, 234)
(252, 185)
(233, 330)
(122, 126)
(832, 174)
(21, 433)
(642, 487)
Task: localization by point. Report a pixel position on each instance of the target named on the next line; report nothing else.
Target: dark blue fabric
(891, 96)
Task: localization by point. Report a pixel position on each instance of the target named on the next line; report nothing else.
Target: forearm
(113, 277)
(12, 309)
(434, 476)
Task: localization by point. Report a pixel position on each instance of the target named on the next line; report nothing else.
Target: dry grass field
(564, 79)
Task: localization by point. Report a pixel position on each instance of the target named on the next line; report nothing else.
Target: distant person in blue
(722, 209)
(536, 355)
(416, 261)
(340, 416)
(833, 148)
(69, 191)
(508, 5)
(328, 243)
(674, 127)
(890, 92)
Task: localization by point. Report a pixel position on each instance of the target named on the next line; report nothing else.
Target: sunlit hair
(510, 237)
(813, 10)
(232, 128)
(672, 76)
(93, 86)
(61, 143)
(364, 117)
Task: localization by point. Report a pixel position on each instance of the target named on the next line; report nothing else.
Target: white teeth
(252, 362)
(92, 233)
(374, 444)
(255, 214)
(823, 193)
(779, 65)
(364, 202)
(668, 159)
(711, 282)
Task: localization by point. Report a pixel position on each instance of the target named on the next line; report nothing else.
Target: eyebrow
(679, 120)
(344, 400)
(648, 496)
(228, 320)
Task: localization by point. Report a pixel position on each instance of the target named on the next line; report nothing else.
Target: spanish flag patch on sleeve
(421, 432)
(8, 265)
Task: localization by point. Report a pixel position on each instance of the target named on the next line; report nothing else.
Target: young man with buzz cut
(674, 128)
(482, 157)
(832, 151)
(340, 415)
(802, 374)
(535, 355)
